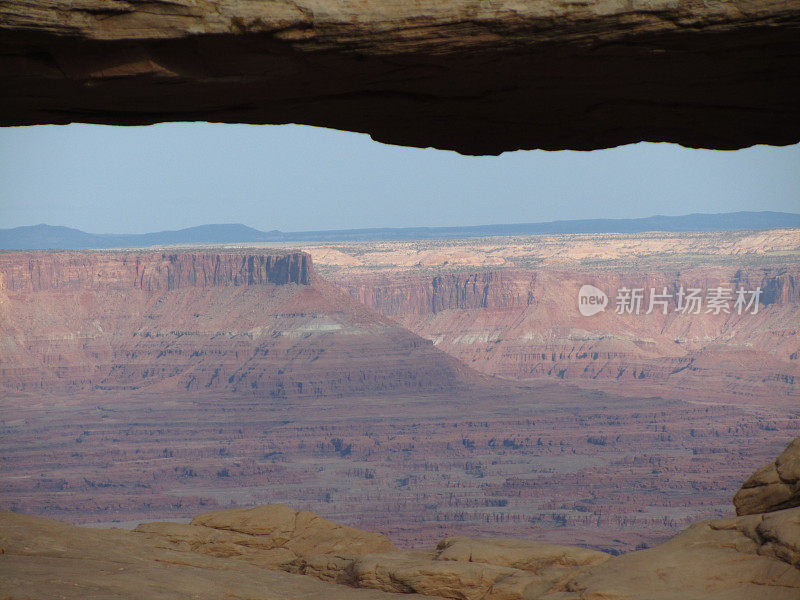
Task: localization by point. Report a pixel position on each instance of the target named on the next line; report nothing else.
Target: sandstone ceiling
(475, 76)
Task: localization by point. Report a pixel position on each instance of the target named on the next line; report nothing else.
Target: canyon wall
(38, 271)
(525, 323)
(475, 77)
(399, 294)
(253, 323)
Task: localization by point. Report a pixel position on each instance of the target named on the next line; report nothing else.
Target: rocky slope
(276, 552)
(249, 323)
(476, 77)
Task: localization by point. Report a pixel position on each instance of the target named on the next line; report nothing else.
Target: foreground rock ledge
(275, 552)
(774, 486)
(478, 77)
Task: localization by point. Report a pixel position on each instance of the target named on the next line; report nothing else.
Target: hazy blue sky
(132, 180)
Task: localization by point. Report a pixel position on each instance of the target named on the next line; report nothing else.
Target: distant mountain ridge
(65, 238)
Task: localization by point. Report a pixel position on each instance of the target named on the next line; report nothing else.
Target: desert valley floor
(549, 463)
(420, 390)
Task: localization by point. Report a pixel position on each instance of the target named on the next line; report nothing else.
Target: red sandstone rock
(260, 324)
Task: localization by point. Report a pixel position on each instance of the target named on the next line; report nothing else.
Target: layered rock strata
(249, 323)
(526, 324)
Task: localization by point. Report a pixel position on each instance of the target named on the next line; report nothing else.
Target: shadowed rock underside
(475, 77)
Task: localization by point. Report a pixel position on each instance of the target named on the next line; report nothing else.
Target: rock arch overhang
(474, 76)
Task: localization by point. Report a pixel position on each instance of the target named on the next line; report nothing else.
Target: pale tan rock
(257, 550)
(754, 556)
(330, 567)
(278, 537)
(407, 573)
(788, 462)
(741, 558)
(536, 557)
(302, 532)
(774, 486)
(779, 534)
(273, 537)
(47, 559)
(460, 568)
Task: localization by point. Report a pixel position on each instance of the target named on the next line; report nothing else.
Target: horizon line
(420, 227)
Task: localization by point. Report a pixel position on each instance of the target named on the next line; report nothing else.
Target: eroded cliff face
(153, 271)
(251, 323)
(476, 77)
(525, 323)
(401, 294)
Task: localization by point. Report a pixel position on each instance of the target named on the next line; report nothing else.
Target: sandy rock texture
(740, 557)
(475, 76)
(774, 486)
(278, 537)
(47, 559)
(526, 555)
(272, 536)
(726, 559)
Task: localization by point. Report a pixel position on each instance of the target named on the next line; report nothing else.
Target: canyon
(431, 419)
(142, 385)
(274, 551)
(241, 323)
(508, 307)
(474, 77)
